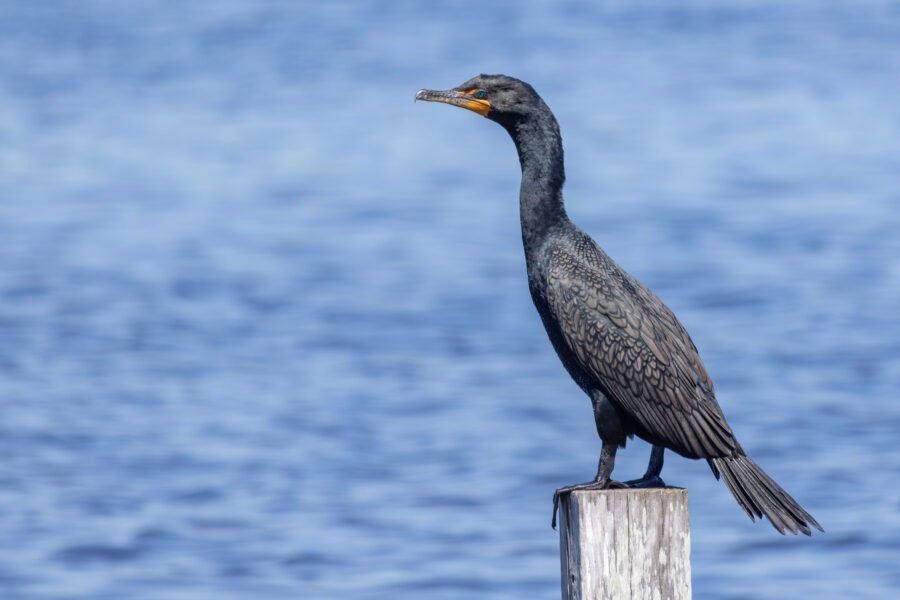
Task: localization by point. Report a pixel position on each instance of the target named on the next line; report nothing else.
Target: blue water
(264, 326)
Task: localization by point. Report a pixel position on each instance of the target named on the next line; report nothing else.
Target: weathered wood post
(622, 544)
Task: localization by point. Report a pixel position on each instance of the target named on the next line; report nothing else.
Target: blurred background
(264, 324)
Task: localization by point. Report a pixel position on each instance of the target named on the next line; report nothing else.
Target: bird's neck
(540, 198)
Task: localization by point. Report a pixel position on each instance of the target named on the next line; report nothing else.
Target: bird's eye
(481, 94)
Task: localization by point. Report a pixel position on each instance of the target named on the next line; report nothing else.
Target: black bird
(623, 347)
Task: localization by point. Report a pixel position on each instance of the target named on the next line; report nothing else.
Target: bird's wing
(639, 354)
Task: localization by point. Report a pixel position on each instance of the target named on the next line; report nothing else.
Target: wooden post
(621, 544)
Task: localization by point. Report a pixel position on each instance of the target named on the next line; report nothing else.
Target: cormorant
(623, 347)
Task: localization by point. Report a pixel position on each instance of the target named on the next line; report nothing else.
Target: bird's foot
(588, 485)
(653, 481)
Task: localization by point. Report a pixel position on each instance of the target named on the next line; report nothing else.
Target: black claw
(555, 507)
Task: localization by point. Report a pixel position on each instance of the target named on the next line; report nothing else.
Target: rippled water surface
(264, 326)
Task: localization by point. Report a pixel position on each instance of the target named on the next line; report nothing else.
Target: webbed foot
(654, 481)
(588, 485)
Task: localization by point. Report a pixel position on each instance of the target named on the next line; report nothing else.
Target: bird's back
(621, 339)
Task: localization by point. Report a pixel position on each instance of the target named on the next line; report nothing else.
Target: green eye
(481, 94)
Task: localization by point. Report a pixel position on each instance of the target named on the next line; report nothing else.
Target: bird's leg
(600, 482)
(651, 478)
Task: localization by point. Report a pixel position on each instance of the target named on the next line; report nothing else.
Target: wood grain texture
(620, 544)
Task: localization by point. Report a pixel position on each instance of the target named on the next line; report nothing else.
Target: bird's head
(500, 98)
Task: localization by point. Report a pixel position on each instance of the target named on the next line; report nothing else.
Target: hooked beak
(456, 98)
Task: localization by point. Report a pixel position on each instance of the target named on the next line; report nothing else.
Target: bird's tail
(759, 495)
